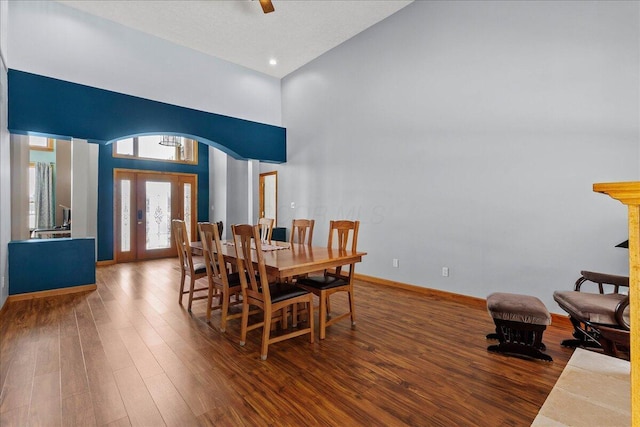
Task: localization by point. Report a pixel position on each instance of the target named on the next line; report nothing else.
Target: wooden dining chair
(223, 284)
(258, 292)
(302, 231)
(188, 264)
(331, 282)
(266, 229)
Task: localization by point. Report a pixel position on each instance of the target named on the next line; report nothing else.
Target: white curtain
(44, 195)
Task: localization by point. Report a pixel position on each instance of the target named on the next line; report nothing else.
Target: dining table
(285, 259)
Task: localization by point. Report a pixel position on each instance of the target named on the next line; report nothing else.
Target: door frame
(273, 197)
(179, 179)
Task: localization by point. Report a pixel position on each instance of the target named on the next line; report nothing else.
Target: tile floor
(593, 390)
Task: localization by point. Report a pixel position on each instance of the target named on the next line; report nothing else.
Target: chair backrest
(607, 283)
(183, 245)
(212, 251)
(266, 229)
(302, 231)
(343, 230)
(254, 282)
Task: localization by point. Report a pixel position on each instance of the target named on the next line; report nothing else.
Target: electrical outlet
(445, 271)
(396, 262)
(293, 205)
(2, 283)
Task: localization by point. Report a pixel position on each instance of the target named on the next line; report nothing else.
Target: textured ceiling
(239, 32)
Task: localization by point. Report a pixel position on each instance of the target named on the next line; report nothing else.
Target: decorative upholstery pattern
(518, 308)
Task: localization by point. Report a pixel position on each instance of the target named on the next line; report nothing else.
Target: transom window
(40, 143)
(166, 148)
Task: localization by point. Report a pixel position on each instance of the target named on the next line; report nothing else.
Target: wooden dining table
(294, 259)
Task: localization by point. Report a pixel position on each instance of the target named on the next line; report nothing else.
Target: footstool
(520, 322)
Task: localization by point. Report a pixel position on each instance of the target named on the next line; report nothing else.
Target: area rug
(593, 390)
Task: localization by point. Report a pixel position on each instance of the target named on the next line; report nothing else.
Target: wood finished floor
(128, 354)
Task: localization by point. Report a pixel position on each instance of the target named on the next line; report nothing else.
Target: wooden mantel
(629, 194)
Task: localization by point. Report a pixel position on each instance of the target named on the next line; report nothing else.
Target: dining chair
(225, 285)
(331, 282)
(188, 265)
(266, 229)
(302, 231)
(258, 292)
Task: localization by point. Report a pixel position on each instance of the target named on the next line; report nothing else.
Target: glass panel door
(157, 205)
(146, 202)
(125, 230)
(158, 215)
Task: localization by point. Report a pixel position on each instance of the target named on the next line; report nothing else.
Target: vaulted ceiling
(238, 31)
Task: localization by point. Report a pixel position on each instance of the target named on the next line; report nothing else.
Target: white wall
(19, 206)
(54, 40)
(218, 179)
(468, 135)
(5, 181)
(84, 197)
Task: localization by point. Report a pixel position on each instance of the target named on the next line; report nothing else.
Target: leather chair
(600, 315)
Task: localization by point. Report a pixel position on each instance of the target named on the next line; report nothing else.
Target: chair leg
(310, 314)
(244, 324)
(266, 331)
(224, 311)
(191, 288)
(352, 307)
(181, 290)
(209, 301)
(294, 315)
(324, 304)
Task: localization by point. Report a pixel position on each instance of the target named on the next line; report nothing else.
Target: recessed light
(273, 61)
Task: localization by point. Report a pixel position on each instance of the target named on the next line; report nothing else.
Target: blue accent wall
(46, 106)
(41, 265)
(107, 163)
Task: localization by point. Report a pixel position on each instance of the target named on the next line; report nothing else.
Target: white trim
(4, 63)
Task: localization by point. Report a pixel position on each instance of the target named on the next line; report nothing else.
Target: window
(158, 147)
(32, 199)
(40, 143)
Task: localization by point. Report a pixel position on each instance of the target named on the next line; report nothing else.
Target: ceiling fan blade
(267, 6)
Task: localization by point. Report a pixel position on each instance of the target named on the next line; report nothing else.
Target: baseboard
(4, 307)
(559, 319)
(105, 263)
(51, 292)
(466, 299)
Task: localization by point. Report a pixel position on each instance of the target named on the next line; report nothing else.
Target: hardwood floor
(128, 354)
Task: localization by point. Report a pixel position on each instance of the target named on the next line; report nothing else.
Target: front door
(145, 204)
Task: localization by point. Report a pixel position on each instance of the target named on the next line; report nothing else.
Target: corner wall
(468, 135)
(5, 181)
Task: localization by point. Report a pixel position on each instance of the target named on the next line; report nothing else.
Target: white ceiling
(239, 32)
